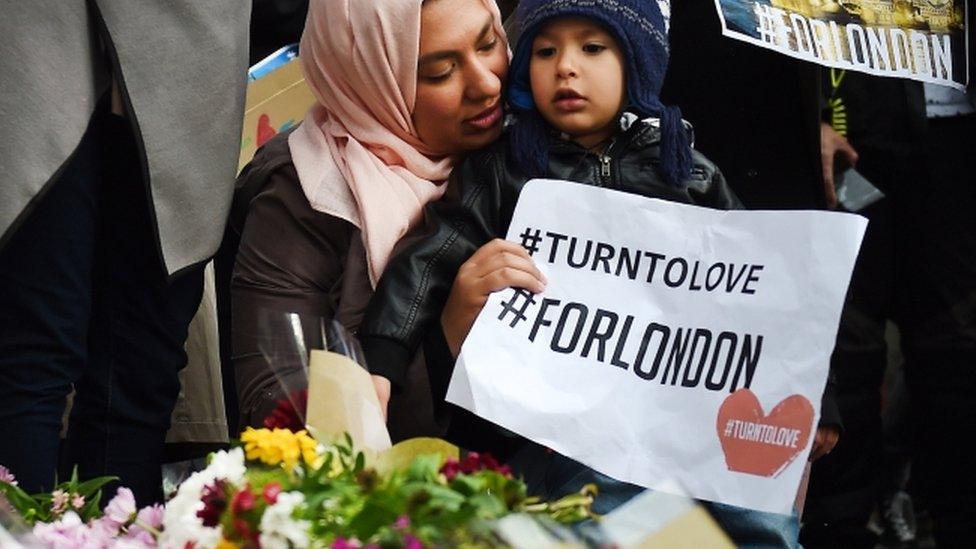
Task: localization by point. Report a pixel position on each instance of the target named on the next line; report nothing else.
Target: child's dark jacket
(478, 207)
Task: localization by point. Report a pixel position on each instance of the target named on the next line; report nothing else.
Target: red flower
(451, 468)
(473, 463)
(243, 529)
(289, 413)
(271, 491)
(243, 501)
(214, 503)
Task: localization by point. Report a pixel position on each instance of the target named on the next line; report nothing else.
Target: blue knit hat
(640, 31)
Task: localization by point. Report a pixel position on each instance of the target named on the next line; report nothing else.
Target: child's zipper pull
(605, 166)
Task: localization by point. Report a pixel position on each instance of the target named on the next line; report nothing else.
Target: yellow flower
(225, 543)
(279, 447)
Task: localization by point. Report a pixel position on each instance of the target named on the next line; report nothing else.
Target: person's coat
(181, 68)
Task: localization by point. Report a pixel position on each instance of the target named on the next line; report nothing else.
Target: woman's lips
(486, 119)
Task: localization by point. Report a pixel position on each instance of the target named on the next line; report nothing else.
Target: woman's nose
(482, 82)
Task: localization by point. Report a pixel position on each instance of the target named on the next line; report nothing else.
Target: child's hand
(497, 265)
(824, 441)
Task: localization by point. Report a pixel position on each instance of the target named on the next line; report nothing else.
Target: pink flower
(105, 527)
(7, 476)
(68, 533)
(122, 507)
(152, 516)
(78, 501)
(402, 523)
(343, 543)
(59, 501)
(410, 542)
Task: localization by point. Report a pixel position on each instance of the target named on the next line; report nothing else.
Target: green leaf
(27, 506)
(425, 468)
(371, 518)
(91, 509)
(89, 487)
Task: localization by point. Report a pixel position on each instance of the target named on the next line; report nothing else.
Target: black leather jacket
(478, 207)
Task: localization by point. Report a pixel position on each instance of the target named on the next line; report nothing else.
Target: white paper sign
(672, 341)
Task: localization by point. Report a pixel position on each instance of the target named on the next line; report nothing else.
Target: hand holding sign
(651, 318)
(497, 265)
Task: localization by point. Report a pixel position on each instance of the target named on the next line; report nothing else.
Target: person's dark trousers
(85, 303)
(939, 330)
(843, 486)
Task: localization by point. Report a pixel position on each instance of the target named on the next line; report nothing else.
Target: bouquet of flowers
(282, 488)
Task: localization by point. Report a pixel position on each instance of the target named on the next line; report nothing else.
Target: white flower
(181, 525)
(279, 528)
(228, 466)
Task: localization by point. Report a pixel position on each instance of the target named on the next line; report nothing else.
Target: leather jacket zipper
(606, 174)
(605, 170)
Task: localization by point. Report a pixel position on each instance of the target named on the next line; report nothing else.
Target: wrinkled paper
(672, 342)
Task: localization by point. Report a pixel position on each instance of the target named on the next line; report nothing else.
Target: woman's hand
(824, 441)
(382, 386)
(497, 265)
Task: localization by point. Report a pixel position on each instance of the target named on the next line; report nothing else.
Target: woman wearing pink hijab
(403, 89)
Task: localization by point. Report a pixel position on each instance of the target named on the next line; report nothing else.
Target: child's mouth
(568, 100)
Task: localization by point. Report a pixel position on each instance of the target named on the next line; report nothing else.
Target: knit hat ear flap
(529, 143)
(674, 147)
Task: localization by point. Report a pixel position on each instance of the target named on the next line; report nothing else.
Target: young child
(584, 85)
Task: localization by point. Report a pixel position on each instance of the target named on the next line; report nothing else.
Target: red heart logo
(760, 444)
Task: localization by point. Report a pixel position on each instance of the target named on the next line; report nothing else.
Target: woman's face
(460, 76)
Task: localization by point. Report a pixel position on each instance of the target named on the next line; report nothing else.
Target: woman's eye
(438, 73)
(546, 51)
(489, 46)
(438, 77)
(594, 48)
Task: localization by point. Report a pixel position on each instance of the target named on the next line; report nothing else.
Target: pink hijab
(357, 152)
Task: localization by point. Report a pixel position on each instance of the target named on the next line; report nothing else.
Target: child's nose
(566, 65)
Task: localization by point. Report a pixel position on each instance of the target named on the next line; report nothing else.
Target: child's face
(577, 75)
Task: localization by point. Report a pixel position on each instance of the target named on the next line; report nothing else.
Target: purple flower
(122, 507)
(343, 543)
(410, 542)
(7, 476)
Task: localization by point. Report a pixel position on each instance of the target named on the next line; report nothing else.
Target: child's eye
(594, 48)
(545, 51)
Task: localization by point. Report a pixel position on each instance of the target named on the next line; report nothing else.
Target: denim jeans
(551, 476)
(85, 303)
